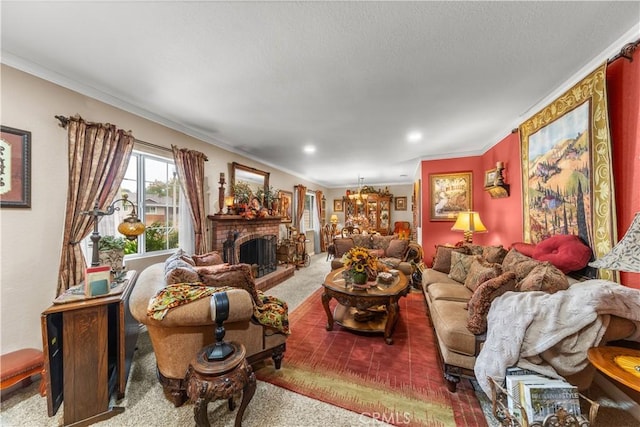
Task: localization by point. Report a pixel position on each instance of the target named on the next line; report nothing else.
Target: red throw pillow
(565, 251)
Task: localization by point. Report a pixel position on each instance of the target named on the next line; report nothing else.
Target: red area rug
(401, 384)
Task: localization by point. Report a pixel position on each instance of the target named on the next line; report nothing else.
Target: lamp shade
(131, 227)
(625, 256)
(334, 219)
(469, 222)
(228, 200)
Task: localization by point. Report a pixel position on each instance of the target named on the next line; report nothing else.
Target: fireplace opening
(260, 253)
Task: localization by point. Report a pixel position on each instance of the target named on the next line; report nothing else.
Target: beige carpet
(271, 406)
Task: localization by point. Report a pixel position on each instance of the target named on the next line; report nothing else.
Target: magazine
(97, 281)
(542, 400)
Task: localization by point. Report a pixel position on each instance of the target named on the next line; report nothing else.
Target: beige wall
(31, 238)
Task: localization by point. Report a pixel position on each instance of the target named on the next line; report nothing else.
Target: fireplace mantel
(221, 225)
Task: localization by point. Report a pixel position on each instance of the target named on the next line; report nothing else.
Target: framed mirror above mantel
(257, 179)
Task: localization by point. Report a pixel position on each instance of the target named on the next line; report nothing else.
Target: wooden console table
(88, 346)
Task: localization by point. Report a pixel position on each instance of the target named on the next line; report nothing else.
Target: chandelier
(359, 197)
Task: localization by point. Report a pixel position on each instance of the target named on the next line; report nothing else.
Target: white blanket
(551, 333)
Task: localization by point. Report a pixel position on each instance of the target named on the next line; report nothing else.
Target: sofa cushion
(449, 291)
(480, 302)
(450, 321)
(518, 263)
(544, 277)
(397, 248)
(481, 271)
(181, 274)
(235, 276)
(524, 248)
(211, 258)
(362, 240)
(494, 253)
(460, 265)
(430, 276)
(343, 245)
(442, 260)
(381, 242)
(565, 251)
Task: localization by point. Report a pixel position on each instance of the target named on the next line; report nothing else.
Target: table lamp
(469, 222)
(334, 223)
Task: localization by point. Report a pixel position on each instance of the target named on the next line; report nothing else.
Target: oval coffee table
(366, 310)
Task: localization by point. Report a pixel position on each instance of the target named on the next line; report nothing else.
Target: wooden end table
(620, 363)
(372, 310)
(212, 380)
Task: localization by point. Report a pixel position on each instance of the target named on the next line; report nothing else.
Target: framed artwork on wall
(401, 203)
(15, 168)
(567, 173)
(449, 194)
(490, 177)
(337, 205)
(286, 205)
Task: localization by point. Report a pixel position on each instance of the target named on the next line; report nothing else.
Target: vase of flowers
(360, 266)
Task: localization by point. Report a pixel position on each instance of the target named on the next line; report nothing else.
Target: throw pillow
(442, 260)
(235, 276)
(518, 263)
(211, 258)
(494, 253)
(381, 242)
(179, 271)
(460, 265)
(565, 251)
(474, 249)
(481, 271)
(480, 301)
(524, 248)
(397, 248)
(343, 245)
(544, 277)
(361, 240)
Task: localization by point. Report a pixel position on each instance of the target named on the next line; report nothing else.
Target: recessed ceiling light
(414, 136)
(309, 149)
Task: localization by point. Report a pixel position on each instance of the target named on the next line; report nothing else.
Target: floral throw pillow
(460, 265)
(494, 253)
(544, 277)
(442, 260)
(518, 263)
(479, 272)
(480, 302)
(211, 258)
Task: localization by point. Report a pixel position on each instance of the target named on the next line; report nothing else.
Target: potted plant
(111, 251)
(269, 198)
(242, 193)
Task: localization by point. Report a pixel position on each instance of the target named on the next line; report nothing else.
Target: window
(309, 213)
(151, 183)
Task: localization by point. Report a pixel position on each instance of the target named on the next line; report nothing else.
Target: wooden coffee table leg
(325, 303)
(392, 318)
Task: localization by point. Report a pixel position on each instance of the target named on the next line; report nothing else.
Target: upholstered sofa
(394, 252)
(460, 287)
(177, 331)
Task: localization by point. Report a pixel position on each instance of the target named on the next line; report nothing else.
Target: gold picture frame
(490, 177)
(286, 205)
(450, 194)
(338, 205)
(567, 171)
(401, 203)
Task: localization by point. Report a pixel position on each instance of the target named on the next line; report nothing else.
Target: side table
(213, 380)
(620, 363)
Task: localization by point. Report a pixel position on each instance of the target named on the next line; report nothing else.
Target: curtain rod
(626, 52)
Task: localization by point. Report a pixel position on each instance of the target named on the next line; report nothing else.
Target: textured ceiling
(352, 78)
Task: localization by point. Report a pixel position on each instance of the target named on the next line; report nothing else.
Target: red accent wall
(503, 217)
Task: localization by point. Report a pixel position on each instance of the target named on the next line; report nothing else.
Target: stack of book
(538, 396)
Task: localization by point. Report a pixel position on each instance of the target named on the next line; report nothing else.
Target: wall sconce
(469, 222)
(499, 189)
(131, 227)
(228, 201)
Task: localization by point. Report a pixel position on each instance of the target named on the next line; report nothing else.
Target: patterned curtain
(98, 158)
(323, 244)
(301, 193)
(190, 168)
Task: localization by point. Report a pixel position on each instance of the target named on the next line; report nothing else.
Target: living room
(32, 238)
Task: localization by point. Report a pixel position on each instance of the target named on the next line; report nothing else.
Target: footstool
(19, 366)
(212, 380)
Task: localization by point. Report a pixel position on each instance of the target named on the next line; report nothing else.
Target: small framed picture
(337, 205)
(490, 177)
(401, 203)
(15, 168)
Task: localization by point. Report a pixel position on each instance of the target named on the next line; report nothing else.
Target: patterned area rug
(400, 384)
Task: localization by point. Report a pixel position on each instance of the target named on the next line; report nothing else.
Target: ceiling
(265, 79)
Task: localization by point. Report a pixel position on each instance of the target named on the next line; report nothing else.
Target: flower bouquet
(360, 265)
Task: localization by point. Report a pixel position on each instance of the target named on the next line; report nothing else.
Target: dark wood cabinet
(376, 209)
(88, 348)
